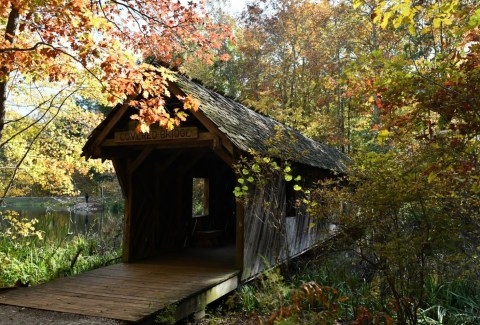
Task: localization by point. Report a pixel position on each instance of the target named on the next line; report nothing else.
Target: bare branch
(36, 121)
(30, 146)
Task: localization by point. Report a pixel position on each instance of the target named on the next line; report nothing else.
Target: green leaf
(474, 20)
(244, 188)
(475, 188)
(297, 187)
(298, 178)
(288, 177)
(245, 171)
(241, 180)
(250, 179)
(237, 192)
(412, 30)
(431, 177)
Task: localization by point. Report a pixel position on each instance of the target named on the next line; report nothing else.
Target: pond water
(64, 216)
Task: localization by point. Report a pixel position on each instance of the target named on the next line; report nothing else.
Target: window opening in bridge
(200, 197)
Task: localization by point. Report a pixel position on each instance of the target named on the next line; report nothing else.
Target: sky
(236, 6)
(233, 7)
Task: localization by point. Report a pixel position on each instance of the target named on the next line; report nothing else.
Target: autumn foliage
(394, 84)
(68, 41)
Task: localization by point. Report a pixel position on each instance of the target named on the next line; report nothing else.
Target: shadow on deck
(134, 292)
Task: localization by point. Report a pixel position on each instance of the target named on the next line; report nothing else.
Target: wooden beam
(174, 89)
(121, 173)
(202, 137)
(126, 185)
(140, 159)
(197, 303)
(193, 161)
(171, 159)
(115, 118)
(225, 156)
(199, 115)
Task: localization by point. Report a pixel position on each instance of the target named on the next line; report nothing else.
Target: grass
(455, 302)
(28, 255)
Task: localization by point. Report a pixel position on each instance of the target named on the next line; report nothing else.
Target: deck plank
(128, 292)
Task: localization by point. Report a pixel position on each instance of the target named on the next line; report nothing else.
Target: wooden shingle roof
(249, 130)
(245, 128)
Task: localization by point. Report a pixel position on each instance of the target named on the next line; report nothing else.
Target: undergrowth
(335, 291)
(29, 256)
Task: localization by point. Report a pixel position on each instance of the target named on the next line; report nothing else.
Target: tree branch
(21, 49)
(17, 166)
(36, 121)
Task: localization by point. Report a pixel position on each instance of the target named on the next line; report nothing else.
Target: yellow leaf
(357, 3)
(386, 18)
(447, 21)
(397, 21)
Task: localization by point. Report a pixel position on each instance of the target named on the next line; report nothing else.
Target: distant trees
(53, 165)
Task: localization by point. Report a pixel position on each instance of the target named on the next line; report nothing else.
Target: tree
(305, 64)
(54, 51)
(52, 165)
(397, 82)
(52, 40)
(411, 208)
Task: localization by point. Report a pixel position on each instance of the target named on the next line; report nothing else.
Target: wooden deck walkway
(134, 292)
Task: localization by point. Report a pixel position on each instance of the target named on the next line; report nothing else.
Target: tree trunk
(10, 31)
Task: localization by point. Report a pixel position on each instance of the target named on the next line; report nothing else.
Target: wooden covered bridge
(186, 238)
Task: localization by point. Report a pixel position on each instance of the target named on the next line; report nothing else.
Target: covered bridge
(178, 185)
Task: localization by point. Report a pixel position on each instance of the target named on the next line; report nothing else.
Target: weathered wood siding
(271, 237)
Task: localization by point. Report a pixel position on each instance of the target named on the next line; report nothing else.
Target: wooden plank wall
(271, 237)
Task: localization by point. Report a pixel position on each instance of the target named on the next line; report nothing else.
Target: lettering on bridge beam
(156, 134)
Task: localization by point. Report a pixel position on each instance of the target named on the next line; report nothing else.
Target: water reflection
(60, 217)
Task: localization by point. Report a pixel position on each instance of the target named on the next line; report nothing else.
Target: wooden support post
(196, 303)
(120, 171)
(125, 180)
(199, 315)
(240, 213)
(127, 222)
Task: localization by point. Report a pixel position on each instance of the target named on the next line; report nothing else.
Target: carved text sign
(156, 134)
